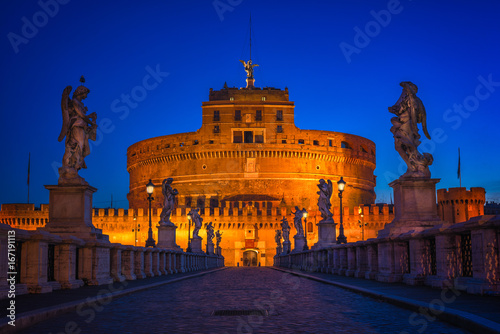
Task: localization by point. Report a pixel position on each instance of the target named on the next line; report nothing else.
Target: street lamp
(361, 224)
(150, 242)
(136, 229)
(188, 249)
(304, 214)
(341, 239)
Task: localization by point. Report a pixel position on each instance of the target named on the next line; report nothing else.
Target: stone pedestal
(70, 212)
(327, 235)
(415, 207)
(300, 242)
(219, 251)
(210, 248)
(286, 247)
(166, 236)
(196, 245)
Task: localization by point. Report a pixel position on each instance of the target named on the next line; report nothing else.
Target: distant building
(492, 208)
(457, 205)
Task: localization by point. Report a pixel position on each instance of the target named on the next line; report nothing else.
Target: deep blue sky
(445, 47)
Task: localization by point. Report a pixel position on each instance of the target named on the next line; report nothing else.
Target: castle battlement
(457, 205)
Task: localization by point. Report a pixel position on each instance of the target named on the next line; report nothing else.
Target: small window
(363, 149)
(309, 227)
(231, 98)
(279, 129)
(330, 142)
(263, 98)
(248, 137)
(237, 115)
(181, 144)
(237, 137)
(259, 136)
(210, 141)
(301, 141)
(258, 115)
(195, 142)
(346, 145)
(315, 142)
(283, 141)
(279, 115)
(216, 116)
(216, 129)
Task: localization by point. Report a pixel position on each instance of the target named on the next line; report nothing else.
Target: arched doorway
(250, 258)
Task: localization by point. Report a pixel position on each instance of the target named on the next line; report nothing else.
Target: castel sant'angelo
(246, 168)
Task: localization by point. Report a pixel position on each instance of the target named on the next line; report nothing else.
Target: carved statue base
(70, 212)
(219, 251)
(166, 236)
(210, 248)
(415, 207)
(327, 235)
(196, 245)
(69, 176)
(250, 83)
(300, 242)
(286, 247)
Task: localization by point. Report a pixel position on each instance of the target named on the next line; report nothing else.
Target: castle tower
(457, 205)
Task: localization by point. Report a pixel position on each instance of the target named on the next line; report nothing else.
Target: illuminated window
(237, 115)
(309, 227)
(258, 115)
(216, 116)
(216, 129)
(263, 98)
(279, 115)
(279, 129)
(231, 98)
(346, 145)
(237, 137)
(259, 136)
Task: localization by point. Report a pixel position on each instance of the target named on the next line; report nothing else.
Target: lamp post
(188, 249)
(341, 239)
(361, 224)
(150, 242)
(136, 229)
(304, 214)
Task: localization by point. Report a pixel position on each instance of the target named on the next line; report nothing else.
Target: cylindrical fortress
(249, 150)
(248, 166)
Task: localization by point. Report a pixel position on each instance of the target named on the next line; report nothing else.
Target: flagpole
(29, 163)
(459, 171)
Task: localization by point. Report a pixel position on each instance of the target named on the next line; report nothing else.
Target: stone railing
(40, 262)
(464, 255)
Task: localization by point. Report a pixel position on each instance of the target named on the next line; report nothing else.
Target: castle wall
(457, 205)
(120, 225)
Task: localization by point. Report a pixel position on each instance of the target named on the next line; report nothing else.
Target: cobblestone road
(295, 305)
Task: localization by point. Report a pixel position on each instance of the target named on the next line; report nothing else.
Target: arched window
(309, 227)
(346, 145)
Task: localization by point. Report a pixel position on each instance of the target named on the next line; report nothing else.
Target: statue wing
(65, 102)
(422, 117)
(255, 65)
(330, 188)
(243, 62)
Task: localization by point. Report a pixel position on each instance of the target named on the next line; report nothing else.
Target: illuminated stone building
(245, 168)
(456, 205)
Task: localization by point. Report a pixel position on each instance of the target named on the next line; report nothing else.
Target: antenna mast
(250, 36)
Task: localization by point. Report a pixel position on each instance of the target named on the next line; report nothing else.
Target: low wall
(40, 262)
(464, 255)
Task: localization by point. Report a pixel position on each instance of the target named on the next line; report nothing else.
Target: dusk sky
(342, 62)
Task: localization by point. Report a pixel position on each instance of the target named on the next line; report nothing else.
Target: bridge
(255, 300)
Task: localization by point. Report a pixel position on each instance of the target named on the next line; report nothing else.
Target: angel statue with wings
(325, 193)
(410, 111)
(78, 128)
(168, 201)
(249, 68)
(197, 220)
(218, 237)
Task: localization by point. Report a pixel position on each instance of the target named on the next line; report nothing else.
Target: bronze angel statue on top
(249, 67)
(78, 128)
(410, 111)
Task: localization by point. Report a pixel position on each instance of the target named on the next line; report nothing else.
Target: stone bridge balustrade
(464, 256)
(48, 262)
